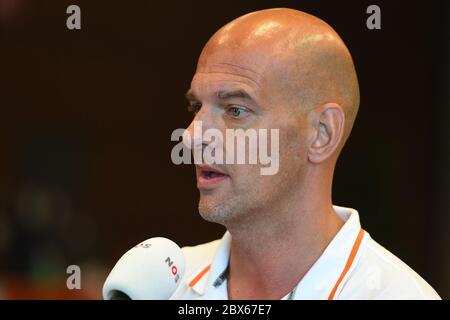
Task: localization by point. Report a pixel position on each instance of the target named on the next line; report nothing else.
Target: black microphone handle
(119, 295)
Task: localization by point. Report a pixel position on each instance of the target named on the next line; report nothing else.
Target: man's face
(229, 92)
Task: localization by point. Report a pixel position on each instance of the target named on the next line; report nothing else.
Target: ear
(327, 132)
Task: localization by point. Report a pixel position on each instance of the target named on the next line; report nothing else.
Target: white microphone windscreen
(152, 270)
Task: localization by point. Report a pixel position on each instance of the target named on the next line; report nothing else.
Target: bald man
(287, 70)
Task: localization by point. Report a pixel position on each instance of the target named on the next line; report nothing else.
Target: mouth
(209, 177)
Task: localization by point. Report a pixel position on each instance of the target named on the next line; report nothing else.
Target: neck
(275, 248)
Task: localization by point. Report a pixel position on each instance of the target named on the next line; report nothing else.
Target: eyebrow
(224, 95)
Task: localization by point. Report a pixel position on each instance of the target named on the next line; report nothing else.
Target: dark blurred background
(86, 118)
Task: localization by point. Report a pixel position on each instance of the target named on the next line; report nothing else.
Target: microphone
(152, 270)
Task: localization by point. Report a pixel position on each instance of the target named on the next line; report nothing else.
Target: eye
(194, 107)
(237, 111)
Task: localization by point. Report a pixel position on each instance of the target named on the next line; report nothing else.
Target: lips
(209, 177)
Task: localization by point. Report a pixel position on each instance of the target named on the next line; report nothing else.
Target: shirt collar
(212, 271)
(318, 282)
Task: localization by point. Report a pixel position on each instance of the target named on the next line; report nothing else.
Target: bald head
(298, 55)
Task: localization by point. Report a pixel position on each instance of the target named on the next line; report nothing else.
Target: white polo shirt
(353, 266)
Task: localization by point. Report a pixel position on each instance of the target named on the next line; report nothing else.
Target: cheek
(293, 147)
(247, 181)
(246, 173)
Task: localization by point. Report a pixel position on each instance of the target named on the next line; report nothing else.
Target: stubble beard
(225, 210)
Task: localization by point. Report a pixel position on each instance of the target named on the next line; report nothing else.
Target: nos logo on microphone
(173, 269)
(143, 245)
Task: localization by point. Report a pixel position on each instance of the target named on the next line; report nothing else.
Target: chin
(213, 212)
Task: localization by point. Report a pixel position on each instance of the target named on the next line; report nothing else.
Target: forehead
(224, 75)
(230, 66)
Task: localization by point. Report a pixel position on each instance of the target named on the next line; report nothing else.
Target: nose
(193, 135)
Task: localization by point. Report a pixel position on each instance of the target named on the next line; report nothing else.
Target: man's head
(274, 69)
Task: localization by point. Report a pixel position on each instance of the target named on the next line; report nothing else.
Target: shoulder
(379, 274)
